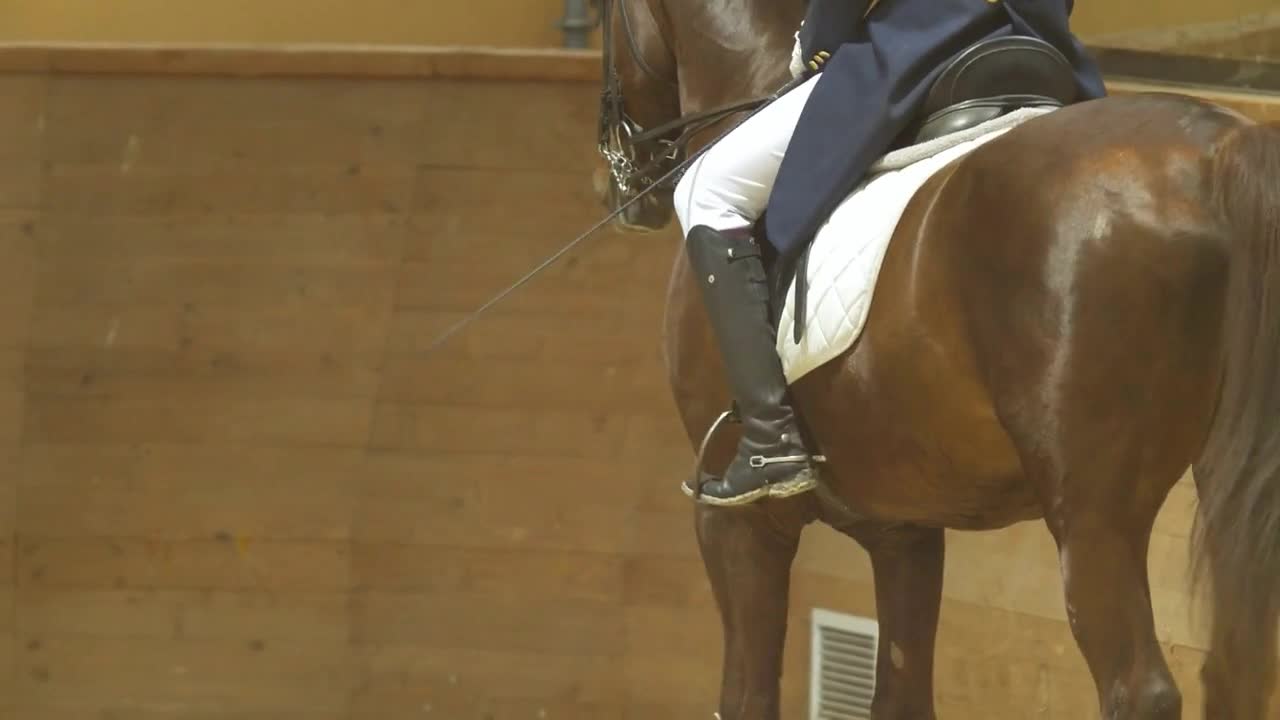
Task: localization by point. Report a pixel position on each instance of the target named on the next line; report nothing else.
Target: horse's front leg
(907, 563)
(748, 554)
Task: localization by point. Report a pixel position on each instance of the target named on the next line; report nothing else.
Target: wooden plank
(185, 615)
(165, 123)
(659, 478)
(13, 403)
(10, 471)
(8, 649)
(233, 563)
(18, 258)
(486, 475)
(104, 190)
(511, 126)
(209, 341)
(79, 672)
(319, 128)
(409, 676)
(132, 711)
(694, 633)
(552, 336)
(8, 603)
(474, 504)
(665, 582)
(310, 59)
(462, 286)
(108, 373)
(512, 622)
(296, 616)
(228, 331)
(198, 414)
(215, 390)
(686, 681)
(587, 384)
(22, 124)
(187, 492)
(656, 433)
(484, 708)
(541, 211)
(647, 706)
(314, 239)
(8, 563)
(1260, 45)
(663, 533)
(399, 426)
(503, 523)
(589, 577)
(193, 283)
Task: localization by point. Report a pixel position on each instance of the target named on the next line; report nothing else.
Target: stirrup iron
(700, 477)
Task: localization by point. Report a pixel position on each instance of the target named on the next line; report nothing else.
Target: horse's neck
(730, 50)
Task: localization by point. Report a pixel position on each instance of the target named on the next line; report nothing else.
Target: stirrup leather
(702, 477)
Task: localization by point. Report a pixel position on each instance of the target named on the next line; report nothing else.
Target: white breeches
(728, 187)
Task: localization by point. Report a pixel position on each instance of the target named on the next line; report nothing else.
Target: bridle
(621, 137)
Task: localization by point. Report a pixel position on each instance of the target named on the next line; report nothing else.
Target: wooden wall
(1257, 45)
(497, 23)
(238, 489)
(1094, 19)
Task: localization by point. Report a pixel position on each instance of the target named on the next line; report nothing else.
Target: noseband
(620, 136)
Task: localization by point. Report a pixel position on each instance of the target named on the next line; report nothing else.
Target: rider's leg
(718, 200)
(728, 186)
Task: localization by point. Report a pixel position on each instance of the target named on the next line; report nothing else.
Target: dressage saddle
(989, 79)
(993, 78)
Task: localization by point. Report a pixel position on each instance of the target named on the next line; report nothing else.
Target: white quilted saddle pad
(846, 254)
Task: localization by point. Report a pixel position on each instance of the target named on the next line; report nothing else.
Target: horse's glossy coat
(1067, 319)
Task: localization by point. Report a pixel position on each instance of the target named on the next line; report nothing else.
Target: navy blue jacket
(881, 67)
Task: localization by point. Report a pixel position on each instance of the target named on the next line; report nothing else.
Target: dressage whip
(471, 317)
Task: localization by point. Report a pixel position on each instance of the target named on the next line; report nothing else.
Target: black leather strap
(802, 293)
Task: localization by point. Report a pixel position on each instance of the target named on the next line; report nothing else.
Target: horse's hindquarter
(1054, 297)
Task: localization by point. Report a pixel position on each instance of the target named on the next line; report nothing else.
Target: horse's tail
(1237, 534)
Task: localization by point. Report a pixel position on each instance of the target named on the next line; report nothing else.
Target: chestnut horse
(1068, 318)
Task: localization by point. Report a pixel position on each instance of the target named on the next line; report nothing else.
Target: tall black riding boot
(772, 460)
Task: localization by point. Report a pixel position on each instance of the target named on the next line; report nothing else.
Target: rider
(870, 66)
